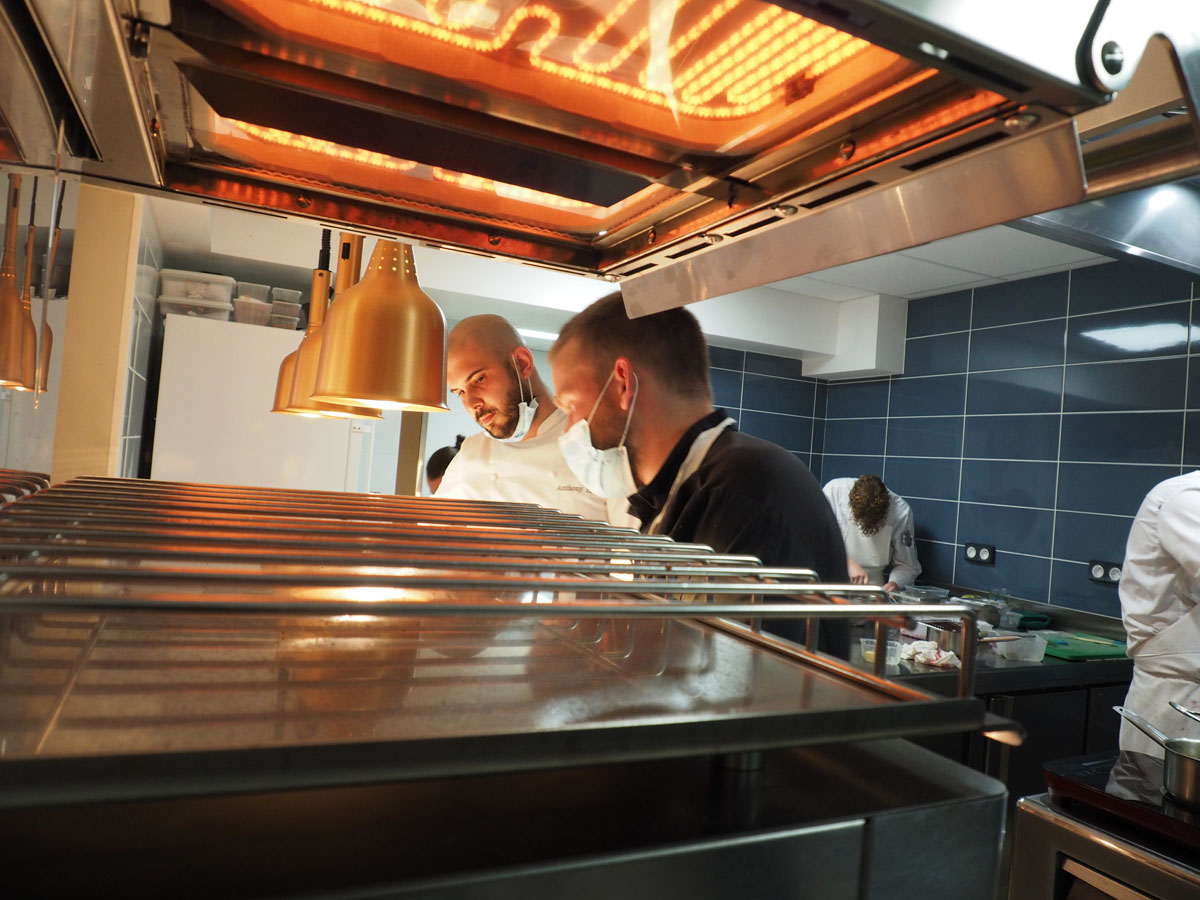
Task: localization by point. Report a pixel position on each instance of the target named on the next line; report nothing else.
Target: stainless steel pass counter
(220, 691)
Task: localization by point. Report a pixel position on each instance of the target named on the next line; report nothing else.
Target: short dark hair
(669, 344)
(441, 458)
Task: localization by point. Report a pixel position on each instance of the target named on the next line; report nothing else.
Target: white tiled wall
(142, 324)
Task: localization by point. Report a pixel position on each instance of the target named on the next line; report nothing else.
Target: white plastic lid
(193, 303)
(185, 275)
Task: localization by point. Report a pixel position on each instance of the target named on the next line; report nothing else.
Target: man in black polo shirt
(641, 424)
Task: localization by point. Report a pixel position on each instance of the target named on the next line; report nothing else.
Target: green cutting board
(1068, 647)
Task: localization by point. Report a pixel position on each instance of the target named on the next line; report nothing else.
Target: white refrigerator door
(215, 423)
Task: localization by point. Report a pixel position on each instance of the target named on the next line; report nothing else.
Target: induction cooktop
(1125, 785)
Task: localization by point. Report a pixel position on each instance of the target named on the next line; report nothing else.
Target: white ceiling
(254, 247)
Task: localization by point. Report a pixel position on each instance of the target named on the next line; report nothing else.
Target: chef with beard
(517, 457)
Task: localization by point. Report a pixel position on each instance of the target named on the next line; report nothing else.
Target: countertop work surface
(995, 674)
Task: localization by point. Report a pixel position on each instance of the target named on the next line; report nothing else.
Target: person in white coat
(877, 526)
(1159, 587)
(516, 458)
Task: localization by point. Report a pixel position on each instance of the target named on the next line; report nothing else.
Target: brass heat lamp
(283, 386)
(29, 341)
(308, 356)
(12, 316)
(384, 342)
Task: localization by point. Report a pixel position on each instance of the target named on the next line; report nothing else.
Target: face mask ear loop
(600, 396)
(632, 404)
(520, 384)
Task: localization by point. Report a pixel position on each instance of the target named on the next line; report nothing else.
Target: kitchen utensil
(1088, 639)
(948, 636)
(1190, 713)
(1181, 762)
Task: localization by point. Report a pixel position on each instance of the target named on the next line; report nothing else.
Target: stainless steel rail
(14, 483)
(244, 621)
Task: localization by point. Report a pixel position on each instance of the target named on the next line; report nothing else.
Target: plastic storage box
(1030, 648)
(197, 285)
(290, 322)
(287, 295)
(249, 311)
(285, 308)
(254, 291)
(196, 306)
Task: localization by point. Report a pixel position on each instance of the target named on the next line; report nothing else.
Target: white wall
(214, 412)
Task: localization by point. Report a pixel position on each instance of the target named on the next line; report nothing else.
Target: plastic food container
(196, 306)
(251, 312)
(1030, 648)
(285, 294)
(254, 291)
(197, 285)
(290, 322)
(285, 308)
(867, 646)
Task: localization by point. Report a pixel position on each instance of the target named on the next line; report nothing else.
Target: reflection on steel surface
(419, 637)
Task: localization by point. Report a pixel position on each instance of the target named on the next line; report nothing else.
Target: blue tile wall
(1114, 386)
(1021, 301)
(1021, 437)
(1123, 284)
(835, 465)
(1033, 415)
(1160, 330)
(770, 399)
(1015, 391)
(1017, 346)
(855, 436)
(937, 436)
(936, 395)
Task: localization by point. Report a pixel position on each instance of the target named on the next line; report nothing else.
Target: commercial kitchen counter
(1065, 706)
(243, 692)
(836, 822)
(996, 675)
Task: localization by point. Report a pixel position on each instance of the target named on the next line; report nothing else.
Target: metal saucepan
(1190, 713)
(1181, 763)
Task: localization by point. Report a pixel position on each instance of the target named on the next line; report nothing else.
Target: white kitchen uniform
(892, 546)
(528, 471)
(1159, 590)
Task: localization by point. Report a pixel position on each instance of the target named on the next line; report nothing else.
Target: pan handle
(1190, 713)
(1148, 729)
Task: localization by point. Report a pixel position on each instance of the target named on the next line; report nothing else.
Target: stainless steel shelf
(158, 659)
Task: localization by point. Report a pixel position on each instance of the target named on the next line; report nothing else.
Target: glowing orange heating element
(293, 141)
(699, 72)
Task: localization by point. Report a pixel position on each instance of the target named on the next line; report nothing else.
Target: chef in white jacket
(877, 526)
(1160, 583)
(517, 457)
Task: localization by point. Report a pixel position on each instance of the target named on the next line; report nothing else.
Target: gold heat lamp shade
(29, 360)
(308, 357)
(384, 341)
(12, 316)
(283, 386)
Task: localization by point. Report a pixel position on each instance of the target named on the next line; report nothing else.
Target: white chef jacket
(528, 471)
(1160, 585)
(892, 546)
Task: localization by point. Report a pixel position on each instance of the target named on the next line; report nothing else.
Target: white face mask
(606, 473)
(525, 411)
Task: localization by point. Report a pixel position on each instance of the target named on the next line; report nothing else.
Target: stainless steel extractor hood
(685, 148)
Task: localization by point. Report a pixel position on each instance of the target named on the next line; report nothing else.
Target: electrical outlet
(982, 554)
(1104, 572)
